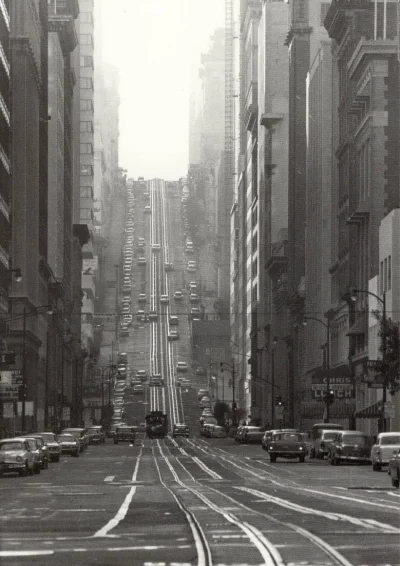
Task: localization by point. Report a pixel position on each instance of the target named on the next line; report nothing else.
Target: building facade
(366, 165)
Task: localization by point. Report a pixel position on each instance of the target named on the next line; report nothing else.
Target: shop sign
(8, 392)
(342, 387)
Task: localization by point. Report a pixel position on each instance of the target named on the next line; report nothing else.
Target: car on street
(80, 434)
(202, 392)
(322, 444)
(156, 380)
(169, 267)
(141, 374)
(114, 425)
(182, 367)
(173, 335)
(142, 298)
(126, 288)
(173, 320)
(69, 444)
(252, 435)
(218, 431)
(268, 434)
(96, 434)
(195, 312)
(147, 209)
(200, 370)
(138, 389)
(287, 445)
(44, 456)
(205, 402)
(350, 446)
(153, 316)
(156, 247)
(178, 295)
(180, 430)
(141, 261)
(164, 299)
(124, 433)
(16, 456)
(381, 452)
(191, 269)
(53, 447)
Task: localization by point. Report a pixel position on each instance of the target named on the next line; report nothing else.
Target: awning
(372, 412)
(360, 326)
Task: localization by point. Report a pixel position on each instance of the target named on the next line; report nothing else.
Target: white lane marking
(363, 501)
(210, 472)
(109, 478)
(268, 552)
(332, 552)
(122, 511)
(366, 523)
(79, 510)
(12, 553)
(202, 547)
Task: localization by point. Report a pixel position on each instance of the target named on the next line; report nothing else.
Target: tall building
(247, 221)
(271, 363)
(365, 179)
(6, 261)
(86, 85)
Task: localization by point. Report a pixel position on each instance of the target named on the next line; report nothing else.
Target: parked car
(53, 446)
(202, 392)
(287, 445)
(37, 453)
(80, 434)
(173, 335)
(252, 435)
(394, 468)
(268, 434)
(218, 431)
(180, 430)
(350, 446)
(69, 444)
(164, 299)
(201, 371)
(44, 456)
(173, 320)
(16, 456)
(322, 444)
(138, 389)
(182, 367)
(124, 434)
(96, 434)
(178, 296)
(141, 374)
(381, 452)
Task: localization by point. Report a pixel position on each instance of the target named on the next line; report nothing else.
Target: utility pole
(23, 417)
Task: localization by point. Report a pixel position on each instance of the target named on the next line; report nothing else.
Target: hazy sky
(153, 43)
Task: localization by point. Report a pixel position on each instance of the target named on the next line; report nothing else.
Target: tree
(390, 366)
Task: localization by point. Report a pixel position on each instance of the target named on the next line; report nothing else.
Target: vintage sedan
(44, 456)
(394, 468)
(350, 446)
(382, 450)
(268, 434)
(37, 452)
(287, 445)
(16, 456)
(180, 430)
(69, 444)
(124, 434)
(80, 434)
(96, 434)
(252, 435)
(53, 447)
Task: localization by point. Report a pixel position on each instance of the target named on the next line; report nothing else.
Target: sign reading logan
(336, 380)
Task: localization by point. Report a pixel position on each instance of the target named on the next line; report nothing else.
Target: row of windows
(385, 274)
(86, 170)
(86, 148)
(86, 127)
(86, 192)
(86, 82)
(87, 61)
(86, 105)
(86, 214)
(86, 17)
(86, 39)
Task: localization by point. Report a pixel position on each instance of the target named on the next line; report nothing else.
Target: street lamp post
(273, 386)
(328, 393)
(382, 300)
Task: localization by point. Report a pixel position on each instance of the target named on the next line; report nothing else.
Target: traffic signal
(329, 396)
(234, 406)
(279, 402)
(22, 391)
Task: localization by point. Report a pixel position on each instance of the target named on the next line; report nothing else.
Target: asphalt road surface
(197, 501)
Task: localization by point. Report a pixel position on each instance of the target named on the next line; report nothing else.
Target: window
(86, 170)
(389, 273)
(86, 213)
(87, 61)
(86, 192)
(254, 268)
(86, 17)
(86, 39)
(86, 105)
(86, 82)
(86, 127)
(324, 11)
(87, 148)
(364, 170)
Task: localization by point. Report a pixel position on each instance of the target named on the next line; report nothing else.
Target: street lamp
(18, 274)
(232, 370)
(382, 300)
(329, 395)
(25, 314)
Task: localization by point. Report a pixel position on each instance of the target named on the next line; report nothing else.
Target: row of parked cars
(29, 454)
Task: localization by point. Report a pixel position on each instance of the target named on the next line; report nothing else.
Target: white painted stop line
(109, 478)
